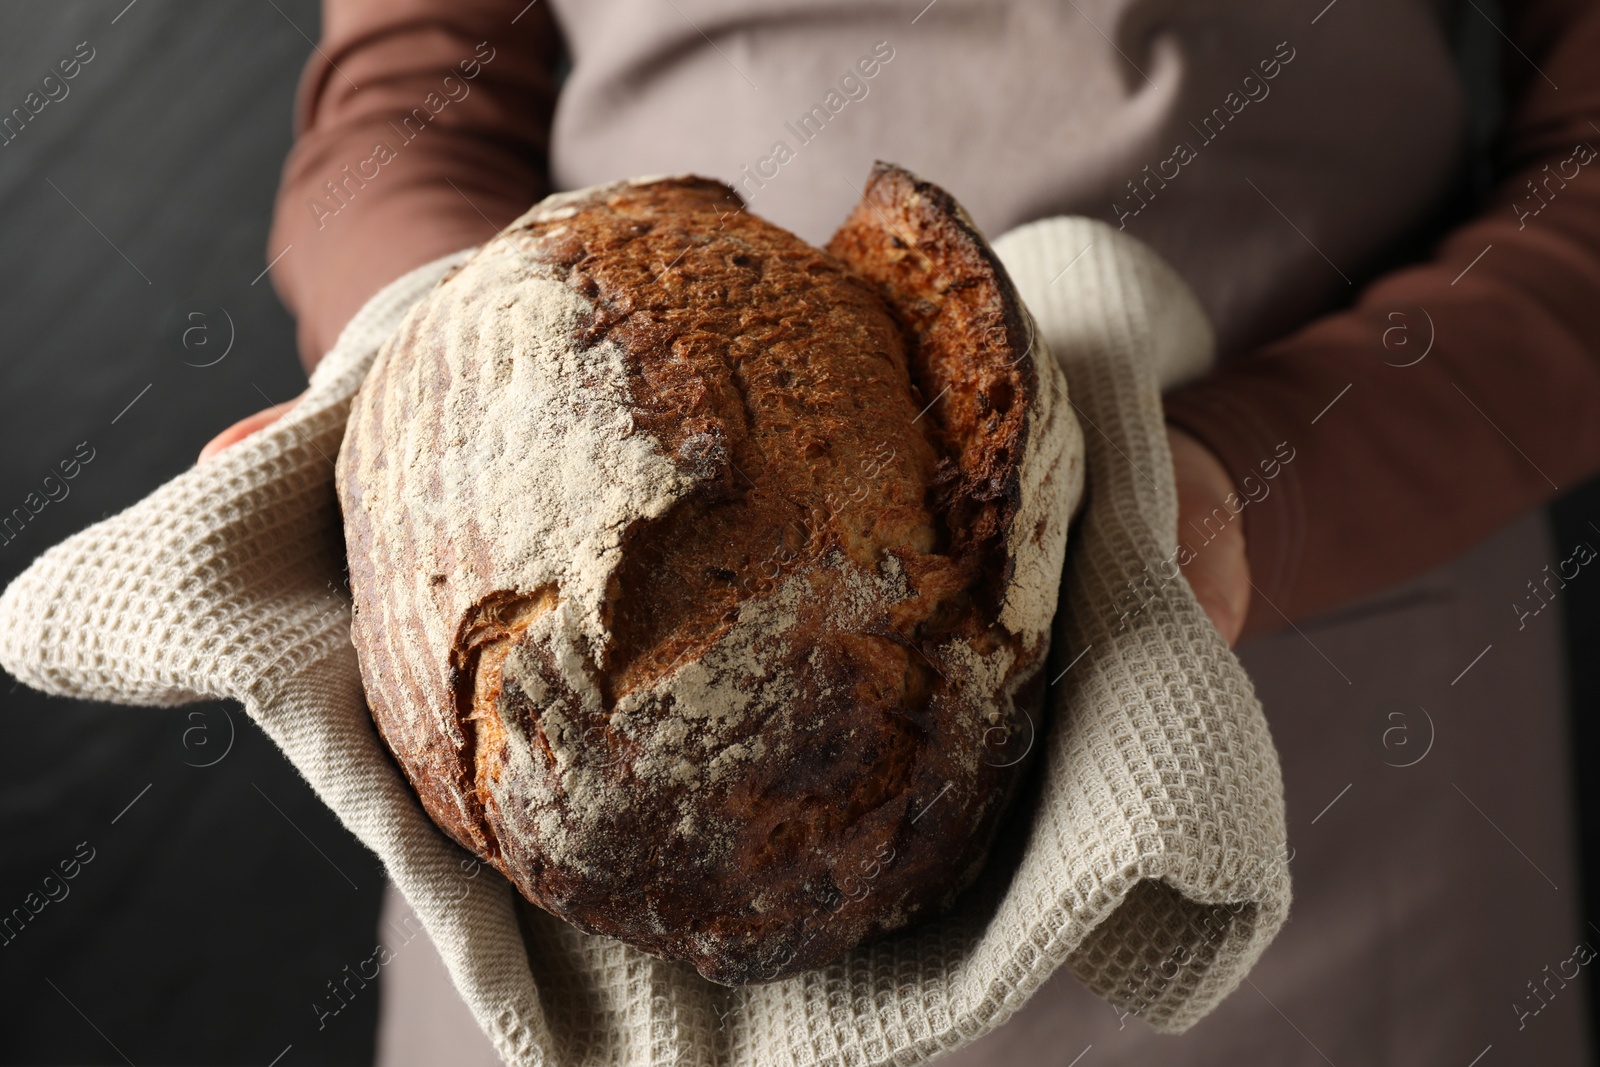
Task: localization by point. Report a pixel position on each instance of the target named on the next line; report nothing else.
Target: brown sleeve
(1414, 464)
(422, 127)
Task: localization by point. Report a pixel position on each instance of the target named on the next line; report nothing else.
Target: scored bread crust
(702, 578)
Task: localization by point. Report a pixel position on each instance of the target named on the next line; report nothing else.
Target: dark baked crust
(970, 341)
(848, 430)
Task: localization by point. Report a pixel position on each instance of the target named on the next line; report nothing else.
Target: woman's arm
(1412, 464)
(422, 127)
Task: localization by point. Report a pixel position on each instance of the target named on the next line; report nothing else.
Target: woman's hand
(1217, 572)
(245, 427)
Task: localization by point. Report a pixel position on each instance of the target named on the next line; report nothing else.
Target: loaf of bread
(703, 579)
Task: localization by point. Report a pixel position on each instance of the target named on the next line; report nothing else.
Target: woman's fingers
(244, 428)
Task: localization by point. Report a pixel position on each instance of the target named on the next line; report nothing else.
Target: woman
(1297, 164)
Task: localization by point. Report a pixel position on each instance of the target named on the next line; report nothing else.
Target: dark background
(133, 228)
(209, 920)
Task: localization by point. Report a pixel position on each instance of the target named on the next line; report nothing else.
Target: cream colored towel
(1149, 859)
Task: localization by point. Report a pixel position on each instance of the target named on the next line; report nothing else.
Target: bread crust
(703, 578)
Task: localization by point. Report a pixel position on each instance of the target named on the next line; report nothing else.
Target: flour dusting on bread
(703, 578)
